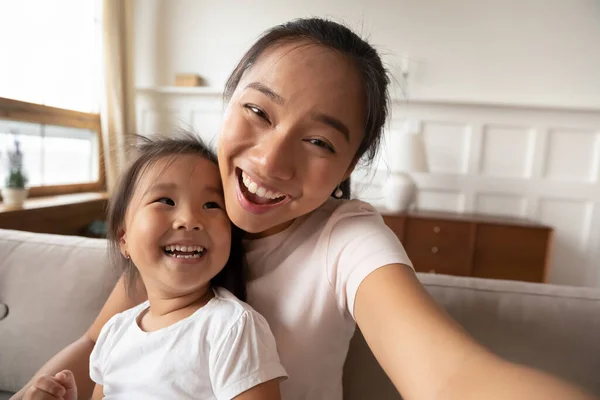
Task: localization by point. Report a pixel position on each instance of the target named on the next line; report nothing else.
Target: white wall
(541, 163)
(543, 52)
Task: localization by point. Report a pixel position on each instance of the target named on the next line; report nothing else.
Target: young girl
(193, 338)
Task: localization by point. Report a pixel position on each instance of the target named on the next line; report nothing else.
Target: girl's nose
(189, 221)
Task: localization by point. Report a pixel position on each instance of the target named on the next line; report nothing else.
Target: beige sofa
(51, 287)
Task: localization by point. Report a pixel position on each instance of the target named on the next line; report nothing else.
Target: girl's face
(176, 230)
(290, 134)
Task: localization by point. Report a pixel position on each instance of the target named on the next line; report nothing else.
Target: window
(50, 78)
(61, 148)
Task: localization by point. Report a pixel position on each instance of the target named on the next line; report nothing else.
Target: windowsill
(56, 201)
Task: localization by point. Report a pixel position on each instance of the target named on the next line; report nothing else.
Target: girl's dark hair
(339, 38)
(148, 151)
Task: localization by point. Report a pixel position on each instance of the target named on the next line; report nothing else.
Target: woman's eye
(166, 200)
(211, 204)
(323, 144)
(258, 111)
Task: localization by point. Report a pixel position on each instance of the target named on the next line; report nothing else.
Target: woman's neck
(167, 309)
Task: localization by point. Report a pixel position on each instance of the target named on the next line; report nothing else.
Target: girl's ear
(123, 242)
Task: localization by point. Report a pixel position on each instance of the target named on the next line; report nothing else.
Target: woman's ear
(349, 170)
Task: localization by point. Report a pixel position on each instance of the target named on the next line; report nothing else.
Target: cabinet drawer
(396, 224)
(444, 247)
(515, 253)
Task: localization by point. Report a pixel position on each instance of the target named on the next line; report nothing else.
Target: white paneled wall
(537, 163)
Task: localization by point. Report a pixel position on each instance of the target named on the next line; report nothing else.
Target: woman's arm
(265, 391)
(76, 356)
(429, 356)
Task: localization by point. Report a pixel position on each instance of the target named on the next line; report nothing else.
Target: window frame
(17, 110)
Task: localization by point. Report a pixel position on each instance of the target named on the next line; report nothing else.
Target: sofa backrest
(55, 285)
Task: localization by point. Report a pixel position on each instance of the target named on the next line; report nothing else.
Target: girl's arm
(265, 391)
(429, 356)
(76, 356)
(98, 392)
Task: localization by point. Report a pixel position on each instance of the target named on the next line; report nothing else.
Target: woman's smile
(256, 197)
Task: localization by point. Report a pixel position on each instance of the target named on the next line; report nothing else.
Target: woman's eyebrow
(334, 123)
(267, 91)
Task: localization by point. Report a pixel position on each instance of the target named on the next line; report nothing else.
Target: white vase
(399, 192)
(14, 198)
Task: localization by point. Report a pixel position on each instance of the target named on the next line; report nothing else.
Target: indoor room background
(505, 93)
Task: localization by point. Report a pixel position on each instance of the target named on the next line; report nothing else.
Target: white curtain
(118, 100)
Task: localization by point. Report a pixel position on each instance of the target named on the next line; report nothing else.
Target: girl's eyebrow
(216, 189)
(160, 187)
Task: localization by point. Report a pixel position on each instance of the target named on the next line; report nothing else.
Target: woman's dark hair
(339, 38)
(148, 151)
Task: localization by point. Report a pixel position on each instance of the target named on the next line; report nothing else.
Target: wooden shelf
(196, 90)
(64, 214)
(55, 201)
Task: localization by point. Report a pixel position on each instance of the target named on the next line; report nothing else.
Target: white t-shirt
(304, 280)
(220, 351)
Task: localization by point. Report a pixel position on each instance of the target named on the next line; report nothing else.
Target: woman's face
(290, 134)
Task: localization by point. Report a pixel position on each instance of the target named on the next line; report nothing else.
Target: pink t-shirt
(304, 280)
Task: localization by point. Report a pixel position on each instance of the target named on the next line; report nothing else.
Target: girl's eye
(258, 111)
(323, 144)
(166, 200)
(211, 204)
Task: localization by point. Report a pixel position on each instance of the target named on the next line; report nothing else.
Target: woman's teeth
(259, 190)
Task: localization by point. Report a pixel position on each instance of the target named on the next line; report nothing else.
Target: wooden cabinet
(474, 245)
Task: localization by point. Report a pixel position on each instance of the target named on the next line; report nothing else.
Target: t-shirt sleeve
(359, 243)
(247, 356)
(100, 352)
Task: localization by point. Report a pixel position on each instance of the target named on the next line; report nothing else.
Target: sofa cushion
(550, 327)
(5, 395)
(53, 286)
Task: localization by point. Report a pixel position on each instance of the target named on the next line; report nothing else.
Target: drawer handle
(434, 250)
(436, 229)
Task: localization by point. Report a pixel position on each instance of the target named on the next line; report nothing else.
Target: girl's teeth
(261, 192)
(185, 249)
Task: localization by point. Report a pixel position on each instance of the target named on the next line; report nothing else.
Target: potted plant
(15, 191)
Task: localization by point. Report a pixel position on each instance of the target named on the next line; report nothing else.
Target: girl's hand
(58, 387)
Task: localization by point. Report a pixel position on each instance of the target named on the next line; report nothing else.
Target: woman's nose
(275, 156)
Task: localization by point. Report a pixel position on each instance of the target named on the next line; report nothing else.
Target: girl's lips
(251, 206)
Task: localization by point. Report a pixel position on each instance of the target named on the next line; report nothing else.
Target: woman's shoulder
(348, 213)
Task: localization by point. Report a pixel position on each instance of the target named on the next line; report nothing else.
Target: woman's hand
(58, 387)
